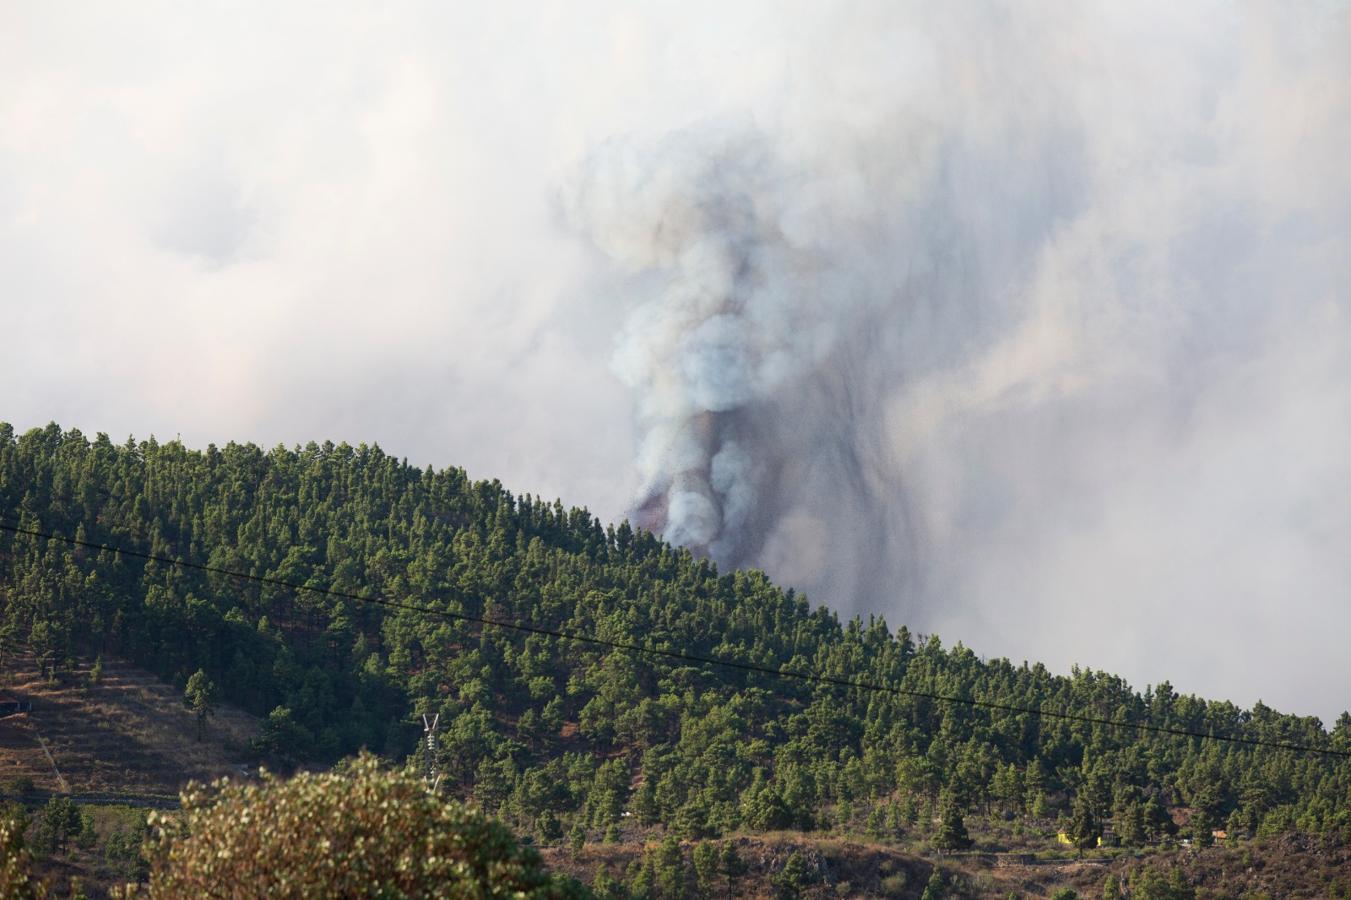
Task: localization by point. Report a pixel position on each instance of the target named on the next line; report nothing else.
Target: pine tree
(936, 889)
(951, 834)
(1084, 829)
(200, 697)
(1034, 783)
(706, 866)
(669, 869)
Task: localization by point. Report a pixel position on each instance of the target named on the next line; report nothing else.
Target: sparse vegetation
(127, 735)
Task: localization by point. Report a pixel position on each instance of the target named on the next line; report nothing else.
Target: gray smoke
(733, 318)
(777, 303)
(989, 325)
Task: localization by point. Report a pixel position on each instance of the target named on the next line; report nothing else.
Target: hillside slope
(564, 738)
(128, 735)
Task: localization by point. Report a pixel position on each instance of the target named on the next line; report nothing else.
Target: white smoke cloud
(731, 319)
(1023, 322)
(1024, 327)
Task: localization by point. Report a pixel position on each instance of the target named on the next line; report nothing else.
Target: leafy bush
(895, 885)
(1149, 884)
(357, 831)
(15, 878)
(20, 786)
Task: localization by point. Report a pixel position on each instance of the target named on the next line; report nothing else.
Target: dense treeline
(568, 738)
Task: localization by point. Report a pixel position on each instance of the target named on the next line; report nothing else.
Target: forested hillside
(565, 738)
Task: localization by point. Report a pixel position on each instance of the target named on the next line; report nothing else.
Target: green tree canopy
(1084, 827)
(561, 736)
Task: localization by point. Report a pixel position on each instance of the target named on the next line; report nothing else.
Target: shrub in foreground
(359, 831)
(15, 877)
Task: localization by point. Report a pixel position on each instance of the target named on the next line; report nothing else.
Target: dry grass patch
(128, 734)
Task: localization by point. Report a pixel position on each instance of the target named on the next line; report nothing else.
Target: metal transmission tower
(430, 773)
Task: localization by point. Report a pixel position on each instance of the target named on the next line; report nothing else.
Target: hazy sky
(1026, 323)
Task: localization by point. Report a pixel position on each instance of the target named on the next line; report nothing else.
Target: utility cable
(815, 677)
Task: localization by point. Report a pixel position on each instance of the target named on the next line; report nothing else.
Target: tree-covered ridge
(565, 737)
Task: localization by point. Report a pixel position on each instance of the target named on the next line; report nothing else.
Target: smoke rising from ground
(702, 213)
(1025, 323)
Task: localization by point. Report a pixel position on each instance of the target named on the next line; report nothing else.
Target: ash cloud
(721, 331)
(752, 351)
(1018, 327)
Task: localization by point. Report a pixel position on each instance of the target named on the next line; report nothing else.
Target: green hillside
(562, 738)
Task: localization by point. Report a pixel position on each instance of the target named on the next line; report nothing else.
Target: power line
(815, 677)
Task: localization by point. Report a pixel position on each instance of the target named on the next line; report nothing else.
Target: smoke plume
(728, 326)
(991, 319)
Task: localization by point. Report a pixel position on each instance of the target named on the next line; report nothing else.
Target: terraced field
(127, 735)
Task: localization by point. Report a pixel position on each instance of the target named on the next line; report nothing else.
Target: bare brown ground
(842, 868)
(129, 734)
(1289, 866)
